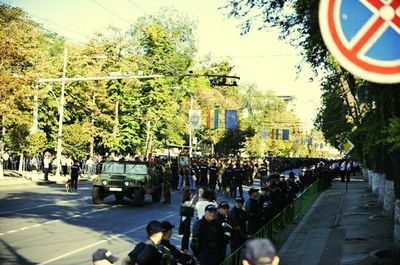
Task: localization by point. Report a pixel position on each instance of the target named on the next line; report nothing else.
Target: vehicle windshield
(140, 169)
(113, 168)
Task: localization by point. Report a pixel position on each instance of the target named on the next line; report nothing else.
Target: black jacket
(208, 237)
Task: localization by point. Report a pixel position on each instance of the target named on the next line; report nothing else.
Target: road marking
(58, 220)
(45, 205)
(101, 242)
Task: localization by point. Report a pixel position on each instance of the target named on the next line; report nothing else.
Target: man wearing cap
(208, 241)
(147, 253)
(238, 218)
(224, 220)
(252, 209)
(103, 257)
(237, 181)
(169, 250)
(259, 252)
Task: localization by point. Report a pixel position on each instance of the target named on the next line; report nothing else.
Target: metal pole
(147, 140)
(91, 151)
(190, 129)
(35, 110)
(61, 116)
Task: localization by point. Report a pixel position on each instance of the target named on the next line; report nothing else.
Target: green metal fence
(276, 229)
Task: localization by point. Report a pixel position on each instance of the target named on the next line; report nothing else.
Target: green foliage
(393, 132)
(36, 142)
(76, 139)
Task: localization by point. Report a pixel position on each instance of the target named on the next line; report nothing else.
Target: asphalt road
(47, 225)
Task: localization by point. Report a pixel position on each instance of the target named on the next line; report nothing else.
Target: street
(47, 225)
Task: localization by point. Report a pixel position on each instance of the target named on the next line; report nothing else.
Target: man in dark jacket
(253, 209)
(171, 254)
(147, 253)
(238, 218)
(208, 241)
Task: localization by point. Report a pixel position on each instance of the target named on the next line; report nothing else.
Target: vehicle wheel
(97, 195)
(119, 197)
(138, 197)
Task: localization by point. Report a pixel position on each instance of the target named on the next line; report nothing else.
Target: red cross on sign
(364, 36)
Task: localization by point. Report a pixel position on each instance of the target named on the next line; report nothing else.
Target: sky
(259, 57)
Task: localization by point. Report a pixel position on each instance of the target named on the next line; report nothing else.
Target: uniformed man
(147, 253)
(252, 209)
(237, 182)
(203, 170)
(238, 218)
(75, 171)
(227, 180)
(213, 175)
(263, 175)
(208, 240)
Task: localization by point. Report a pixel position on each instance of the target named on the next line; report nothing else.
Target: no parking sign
(364, 36)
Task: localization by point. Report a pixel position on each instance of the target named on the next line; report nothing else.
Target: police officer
(147, 253)
(237, 182)
(263, 175)
(224, 220)
(203, 170)
(75, 171)
(213, 169)
(238, 218)
(227, 177)
(208, 240)
(171, 254)
(252, 209)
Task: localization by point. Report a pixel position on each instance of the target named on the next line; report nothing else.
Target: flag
(285, 134)
(231, 119)
(277, 134)
(309, 142)
(212, 119)
(272, 133)
(195, 119)
(264, 134)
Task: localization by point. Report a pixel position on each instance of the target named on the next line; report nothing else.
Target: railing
(275, 229)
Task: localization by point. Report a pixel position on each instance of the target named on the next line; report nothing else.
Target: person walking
(187, 213)
(237, 181)
(213, 169)
(46, 166)
(75, 171)
(208, 240)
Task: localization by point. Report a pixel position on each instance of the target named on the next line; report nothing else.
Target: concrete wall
(396, 233)
(384, 188)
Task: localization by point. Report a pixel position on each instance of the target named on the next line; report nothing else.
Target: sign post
(364, 37)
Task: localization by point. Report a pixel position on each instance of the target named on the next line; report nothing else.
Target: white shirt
(201, 206)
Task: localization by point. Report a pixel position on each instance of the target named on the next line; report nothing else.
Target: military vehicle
(131, 179)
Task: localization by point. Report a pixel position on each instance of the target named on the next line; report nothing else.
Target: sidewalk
(14, 178)
(341, 228)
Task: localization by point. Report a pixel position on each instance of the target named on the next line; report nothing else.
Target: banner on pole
(264, 134)
(195, 119)
(212, 119)
(285, 134)
(231, 119)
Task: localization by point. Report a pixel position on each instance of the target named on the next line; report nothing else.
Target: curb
(300, 226)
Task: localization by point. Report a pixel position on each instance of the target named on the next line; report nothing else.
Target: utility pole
(190, 129)
(91, 151)
(34, 127)
(61, 114)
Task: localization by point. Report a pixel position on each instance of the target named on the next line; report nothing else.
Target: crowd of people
(215, 227)
(157, 249)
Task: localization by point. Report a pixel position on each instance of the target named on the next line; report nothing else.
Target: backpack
(135, 252)
(186, 211)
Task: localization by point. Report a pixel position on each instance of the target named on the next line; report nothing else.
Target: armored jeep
(132, 179)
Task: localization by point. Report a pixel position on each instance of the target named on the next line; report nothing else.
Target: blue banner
(231, 119)
(285, 134)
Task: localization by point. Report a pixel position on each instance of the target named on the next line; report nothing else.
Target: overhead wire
(111, 12)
